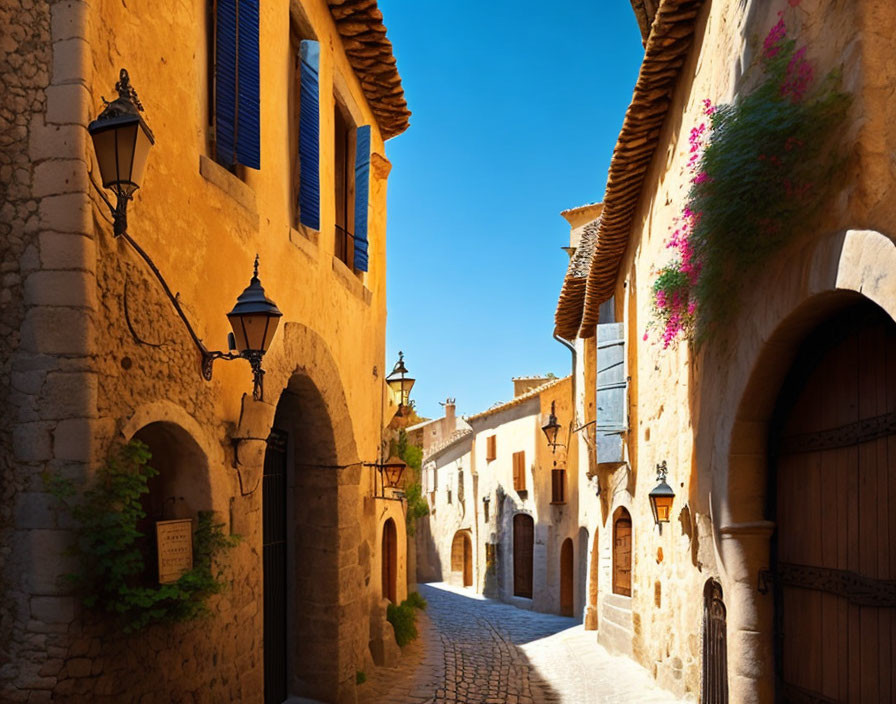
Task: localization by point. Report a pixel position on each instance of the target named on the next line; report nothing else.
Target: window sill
(350, 281)
(522, 493)
(305, 240)
(558, 503)
(238, 190)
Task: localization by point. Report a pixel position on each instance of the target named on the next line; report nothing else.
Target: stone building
(288, 163)
(504, 505)
(772, 581)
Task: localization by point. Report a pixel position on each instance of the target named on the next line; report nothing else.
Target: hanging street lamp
(121, 140)
(550, 429)
(401, 384)
(392, 471)
(661, 497)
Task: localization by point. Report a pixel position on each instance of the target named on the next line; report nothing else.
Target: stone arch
(168, 426)
(311, 488)
(797, 294)
(180, 490)
(462, 557)
(567, 605)
(389, 560)
(304, 367)
(622, 552)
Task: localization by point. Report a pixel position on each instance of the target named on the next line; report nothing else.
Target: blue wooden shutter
(612, 390)
(237, 97)
(362, 195)
(309, 135)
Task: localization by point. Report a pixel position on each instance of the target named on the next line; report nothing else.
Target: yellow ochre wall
(98, 320)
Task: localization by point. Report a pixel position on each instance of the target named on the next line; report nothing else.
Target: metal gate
(715, 645)
(274, 556)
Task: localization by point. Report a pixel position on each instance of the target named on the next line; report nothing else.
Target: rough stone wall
(92, 350)
(684, 402)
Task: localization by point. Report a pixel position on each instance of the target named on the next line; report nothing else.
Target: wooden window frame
(491, 448)
(558, 487)
(519, 471)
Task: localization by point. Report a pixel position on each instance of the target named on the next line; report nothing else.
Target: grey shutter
(612, 392)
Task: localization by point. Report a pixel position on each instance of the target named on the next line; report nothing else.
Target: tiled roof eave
(670, 40)
(360, 24)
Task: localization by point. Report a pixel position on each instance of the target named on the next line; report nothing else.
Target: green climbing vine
(111, 570)
(761, 169)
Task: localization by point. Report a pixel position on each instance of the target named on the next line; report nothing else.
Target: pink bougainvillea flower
(772, 43)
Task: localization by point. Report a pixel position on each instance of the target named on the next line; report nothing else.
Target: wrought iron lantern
(254, 320)
(392, 471)
(121, 140)
(401, 384)
(551, 428)
(661, 497)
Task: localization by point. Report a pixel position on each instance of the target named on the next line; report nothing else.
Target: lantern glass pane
(126, 140)
(251, 331)
(406, 385)
(104, 146)
(663, 508)
(141, 152)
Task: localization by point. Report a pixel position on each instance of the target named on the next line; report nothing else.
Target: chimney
(450, 420)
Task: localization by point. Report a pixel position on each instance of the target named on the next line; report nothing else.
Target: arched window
(622, 552)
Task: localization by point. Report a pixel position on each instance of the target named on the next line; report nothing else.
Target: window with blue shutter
(237, 95)
(612, 387)
(309, 134)
(362, 196)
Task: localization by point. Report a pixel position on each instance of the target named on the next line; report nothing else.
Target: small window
(491, 445)
(460, 486)
(485, 505)
(344, 150)
(448, 491)
(558, 486)
(233, 83)
(519, 471)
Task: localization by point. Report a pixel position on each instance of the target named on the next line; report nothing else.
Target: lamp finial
(255, 273)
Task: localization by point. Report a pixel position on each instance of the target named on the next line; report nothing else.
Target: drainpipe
(568, 345)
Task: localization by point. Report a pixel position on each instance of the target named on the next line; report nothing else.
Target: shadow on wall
(429, 564)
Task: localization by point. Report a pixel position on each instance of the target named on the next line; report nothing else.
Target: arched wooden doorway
(622, 552)
(303, 486)
(566, 574)
(462, 556)
(523, 547)
(832, 493)
(390, 561)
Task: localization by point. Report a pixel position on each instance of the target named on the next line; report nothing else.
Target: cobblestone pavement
(473, 650)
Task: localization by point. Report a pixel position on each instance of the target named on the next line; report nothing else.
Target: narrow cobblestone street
(473, 650)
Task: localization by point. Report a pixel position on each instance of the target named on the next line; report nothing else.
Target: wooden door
(468, 561)
(566, 568)
(834, 492)
(390, 561)
(523, 544)
(622, 553)
(273, 492)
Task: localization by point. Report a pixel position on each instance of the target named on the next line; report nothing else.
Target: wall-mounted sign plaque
(175, 548)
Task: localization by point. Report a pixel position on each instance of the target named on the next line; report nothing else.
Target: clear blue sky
(516, 109)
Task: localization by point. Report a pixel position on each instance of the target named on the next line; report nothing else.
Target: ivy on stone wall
(413, 490)
(111, 575)
(761, 169)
